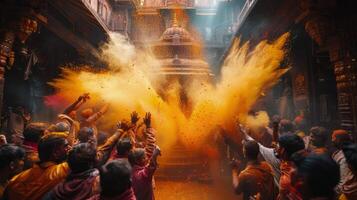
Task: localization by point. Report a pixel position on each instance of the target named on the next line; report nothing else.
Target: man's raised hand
(84, 97)
(134, 117)
(147, 120)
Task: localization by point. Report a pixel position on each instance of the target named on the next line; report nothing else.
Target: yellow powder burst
(129, 85)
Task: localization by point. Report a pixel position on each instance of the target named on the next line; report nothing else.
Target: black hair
(251, 150)
(299, 156)
(286, 126)
(48, 144)
(321, 175)
(115, 177)
(10, 153)
(291, 143)
(59, 127)
(343, 140)
(102, 138)
(34, 131)
(136, 155)
(320, 135)
(350, 152)
(124, 146)
(82, 157)
(85, 134)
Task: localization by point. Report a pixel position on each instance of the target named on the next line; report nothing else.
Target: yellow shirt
(34, 183)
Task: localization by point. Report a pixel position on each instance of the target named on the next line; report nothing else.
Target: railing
(244, 12)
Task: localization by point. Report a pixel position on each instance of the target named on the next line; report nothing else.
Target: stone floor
(187, 190)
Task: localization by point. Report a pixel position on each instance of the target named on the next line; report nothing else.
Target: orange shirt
(34, 183)
(257, 178)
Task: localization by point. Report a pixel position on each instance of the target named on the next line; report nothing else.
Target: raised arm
(74, 106)
(150, 169)
(104, 151)
(243, 132)
(98, 114)
(150, 136)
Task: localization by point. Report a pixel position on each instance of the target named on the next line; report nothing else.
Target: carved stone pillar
(6, 59)
(345, 66)
(17, 31)
(336, 34)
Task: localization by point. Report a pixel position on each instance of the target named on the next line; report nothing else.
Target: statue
(16, 62)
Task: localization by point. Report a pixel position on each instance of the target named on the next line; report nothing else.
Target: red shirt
(142, 181)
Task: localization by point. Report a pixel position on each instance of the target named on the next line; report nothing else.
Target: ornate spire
(174, 20)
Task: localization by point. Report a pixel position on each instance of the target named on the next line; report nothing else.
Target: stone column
(337, 34)
(6, 59)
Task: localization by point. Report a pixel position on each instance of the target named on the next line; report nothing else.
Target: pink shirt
(142, 181)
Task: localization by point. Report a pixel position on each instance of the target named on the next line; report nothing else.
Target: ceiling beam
(82, 46)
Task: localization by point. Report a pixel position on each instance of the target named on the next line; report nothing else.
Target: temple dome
(176, 32)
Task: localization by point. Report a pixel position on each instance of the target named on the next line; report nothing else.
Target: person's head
(319, 136)
(124, 146)
(138, 157)
(115, 177)
(286, 126)
(59, 127)
(350, 152)
(11, 159)
(34, 131)
(300, 123)
(288, 144)
(318, 175)
(81, 157)
(86, 113)
(340, 138)
(15, 138)
(86, 134)
(53, 147)
(251, 150)
(102, 137)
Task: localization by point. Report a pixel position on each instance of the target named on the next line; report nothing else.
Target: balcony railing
(248, 5)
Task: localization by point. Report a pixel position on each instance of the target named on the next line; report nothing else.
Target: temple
(209, 59)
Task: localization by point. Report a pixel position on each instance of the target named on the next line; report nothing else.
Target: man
(318, 139)
(350, 187)
(11, 163)
(317, 175)
(123, 147)
(102, 138)
(69, 116)
(143, 172)
(288, 145)
(2, 140)
(90, 117)
(83, 181)
(115, 181)
(286, 127)
(42, 177)
(64, 129)
(347, 184)
(32, 135)
(257, 178)
(268, 154)
(103, 152)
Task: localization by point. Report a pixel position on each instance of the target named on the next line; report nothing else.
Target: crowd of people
(72, 159)
(297, 164)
